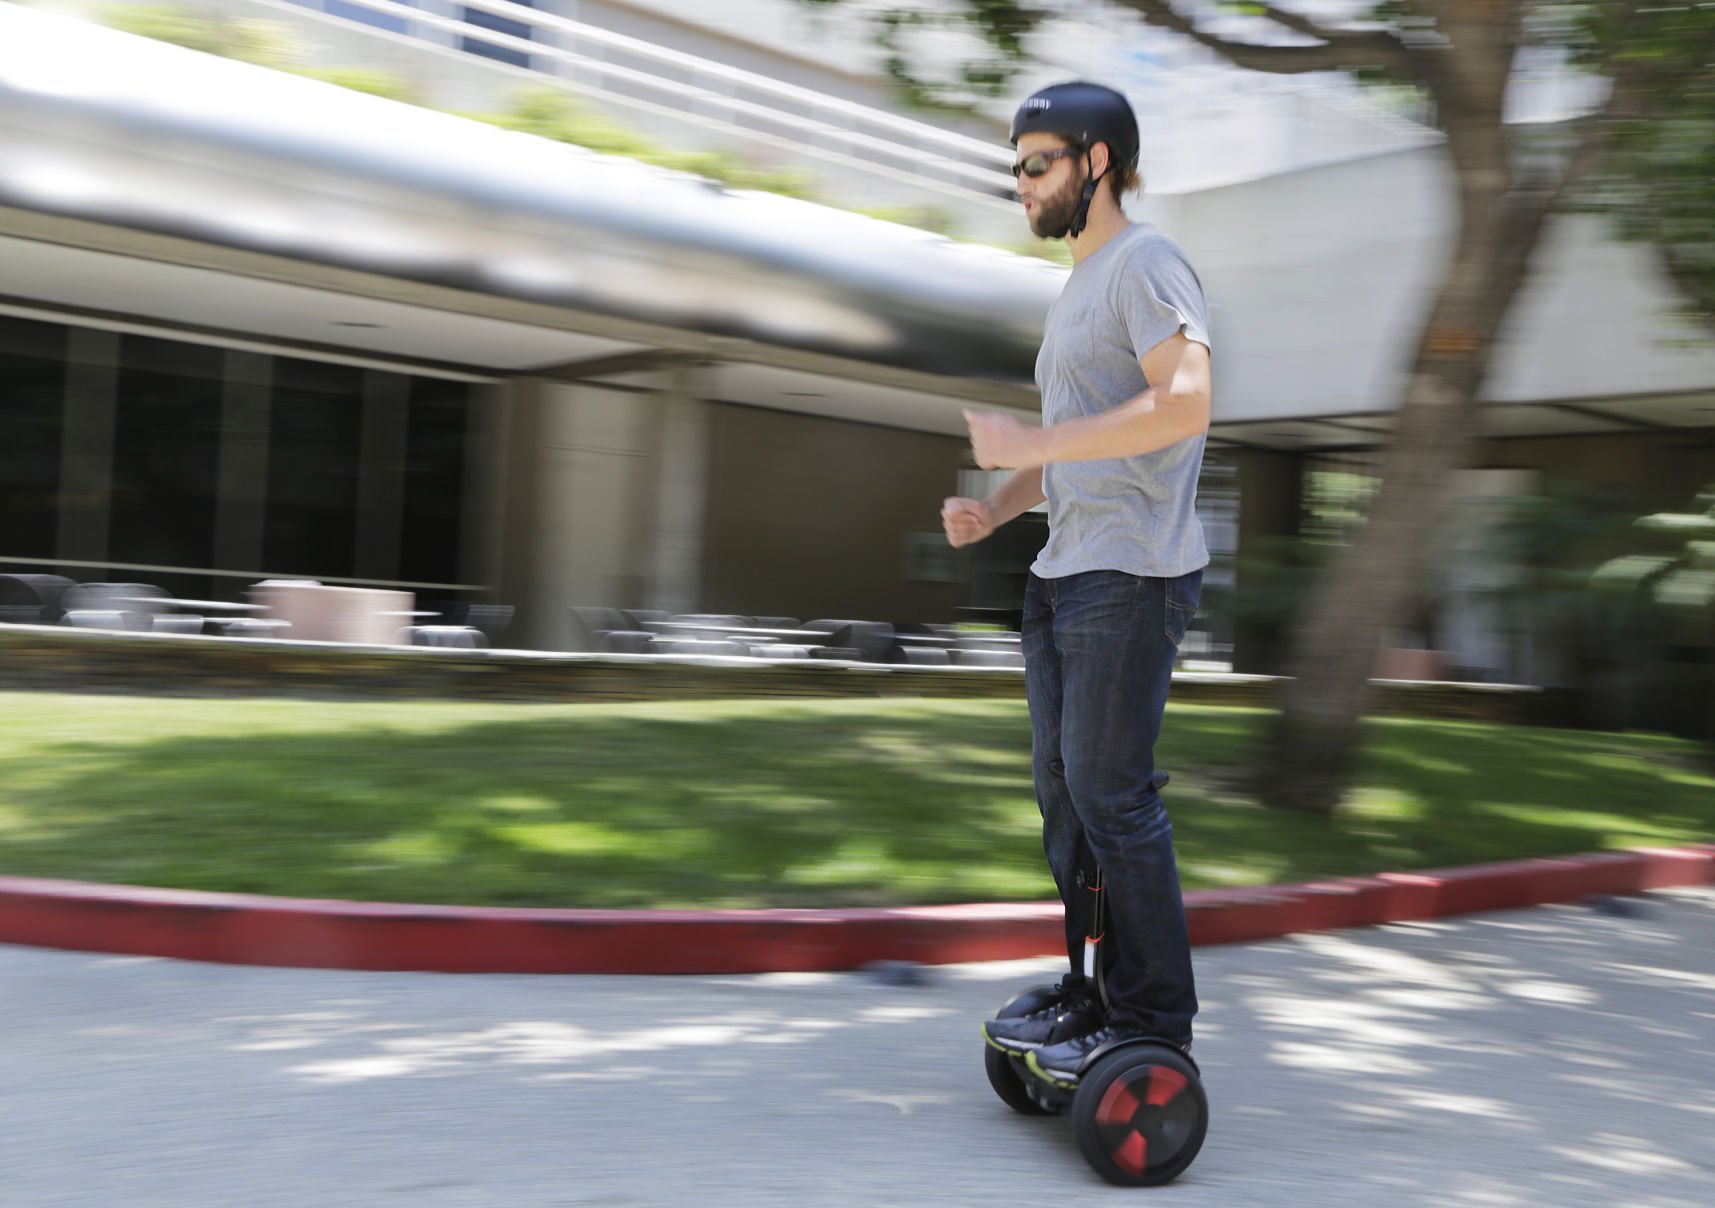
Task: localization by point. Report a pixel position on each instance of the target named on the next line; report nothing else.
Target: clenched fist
(966, 520)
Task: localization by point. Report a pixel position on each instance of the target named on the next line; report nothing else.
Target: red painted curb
(251, 930)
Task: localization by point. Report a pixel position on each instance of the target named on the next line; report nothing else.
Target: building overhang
(216, 196)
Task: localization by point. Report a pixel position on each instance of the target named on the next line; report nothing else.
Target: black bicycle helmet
(1083, 113)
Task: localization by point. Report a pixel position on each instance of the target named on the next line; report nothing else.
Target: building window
(500, 25)
(310, 505)
(315, 439)
(32, 407)
(166, 450)
(360, 12)
(430, 541)
(1208, 644)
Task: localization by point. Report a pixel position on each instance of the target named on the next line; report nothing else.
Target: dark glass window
(315, 439)
(358, 12)
(430, 540)
(32, 398)
(502, 25)
(166, 450)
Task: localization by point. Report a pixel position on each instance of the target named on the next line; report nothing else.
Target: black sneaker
(1067, 1016)
(1063, 1062)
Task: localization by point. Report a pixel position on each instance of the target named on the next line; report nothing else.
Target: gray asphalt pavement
(1561, 1056)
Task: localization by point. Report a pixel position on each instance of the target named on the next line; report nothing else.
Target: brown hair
(1124, 179)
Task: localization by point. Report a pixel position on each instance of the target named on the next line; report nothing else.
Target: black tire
(1140, 1115)
(1003, 1075)
(1008, 1085)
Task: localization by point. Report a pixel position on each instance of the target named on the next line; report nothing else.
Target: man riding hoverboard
(1125, 383)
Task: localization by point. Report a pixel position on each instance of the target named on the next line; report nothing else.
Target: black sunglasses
(1037, 163)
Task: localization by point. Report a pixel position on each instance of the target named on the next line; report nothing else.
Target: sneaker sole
(1005, 1047)
(1066, 1082)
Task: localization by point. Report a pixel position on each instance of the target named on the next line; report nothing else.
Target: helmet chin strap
(1081, 215)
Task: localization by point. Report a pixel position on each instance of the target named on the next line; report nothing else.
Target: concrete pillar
(601, 501)
(681, 495)
(517, 511)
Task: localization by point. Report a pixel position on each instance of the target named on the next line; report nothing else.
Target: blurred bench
(630, 631)
(32, 599)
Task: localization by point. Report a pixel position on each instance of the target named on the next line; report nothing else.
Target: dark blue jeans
(1099, 650)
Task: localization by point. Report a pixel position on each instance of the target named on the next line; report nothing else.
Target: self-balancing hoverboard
(1138, 1109)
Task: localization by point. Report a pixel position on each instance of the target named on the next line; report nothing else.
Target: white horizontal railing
(792, 118)
(1211, 129)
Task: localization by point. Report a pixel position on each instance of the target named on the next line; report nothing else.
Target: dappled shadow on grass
(592, 810)
(1434, 794)
(763, 804)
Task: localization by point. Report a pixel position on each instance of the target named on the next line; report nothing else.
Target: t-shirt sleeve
(1161, 296)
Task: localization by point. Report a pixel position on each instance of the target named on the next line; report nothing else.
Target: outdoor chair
(178, 622)
(491, 620)
(590, 622)
(988, 641)
(626, 641)
(246, 627)
(871, 639)
(451, 637)
(32, 599)
(107, 618)
(987, 658)
(110, 597)
(923, 656)
(846, 654)
(696, 646)
(704, 626)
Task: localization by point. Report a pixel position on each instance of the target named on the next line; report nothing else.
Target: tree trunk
(1313, 744)
(1314, 740)
(1463, 53)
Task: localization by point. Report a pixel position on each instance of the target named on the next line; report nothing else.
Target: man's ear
(1100, 158)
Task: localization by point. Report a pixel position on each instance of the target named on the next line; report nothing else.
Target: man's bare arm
(1162, 415)
(1017, 495)
(967, 521)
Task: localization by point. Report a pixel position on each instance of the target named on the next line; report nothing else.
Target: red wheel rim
(1146, 1117)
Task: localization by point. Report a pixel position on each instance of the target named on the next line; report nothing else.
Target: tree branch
(1594, 134)
(1625, 101)
(1298, 23)
(1338, 49)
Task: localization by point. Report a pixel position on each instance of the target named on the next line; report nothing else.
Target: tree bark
(1465, 62)
(1313, 743)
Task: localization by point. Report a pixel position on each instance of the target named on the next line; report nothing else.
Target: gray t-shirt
(1132, 514)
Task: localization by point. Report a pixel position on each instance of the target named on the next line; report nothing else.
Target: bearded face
(1052, 214)
(1052, 199)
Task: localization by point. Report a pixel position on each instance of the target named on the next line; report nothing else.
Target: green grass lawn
(746, 803)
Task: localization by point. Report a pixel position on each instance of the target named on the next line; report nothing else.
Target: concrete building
(253, 325)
